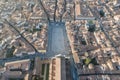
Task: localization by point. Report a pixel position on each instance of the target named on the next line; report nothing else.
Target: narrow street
(65, 3)
(40, 2)
(12, 26)
(54, 18)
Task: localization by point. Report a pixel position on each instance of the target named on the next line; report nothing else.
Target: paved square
(58, 45)
(57, 40)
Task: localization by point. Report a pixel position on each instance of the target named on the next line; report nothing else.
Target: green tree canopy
(101, 12)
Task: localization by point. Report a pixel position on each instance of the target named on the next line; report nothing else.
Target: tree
(91, 27)
(35, 77)
(9, 52)
(83, 41)
(101, 12)
(86, 61)
(94, 61)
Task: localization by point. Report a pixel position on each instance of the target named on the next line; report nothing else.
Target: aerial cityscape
(59, 39)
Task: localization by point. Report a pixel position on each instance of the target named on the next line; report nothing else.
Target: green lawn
(14, 79)
(47, 73)
(10, 51)
(34, 30)
(41, 78)
(87, 61)
(43, 69)
(32, 65)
